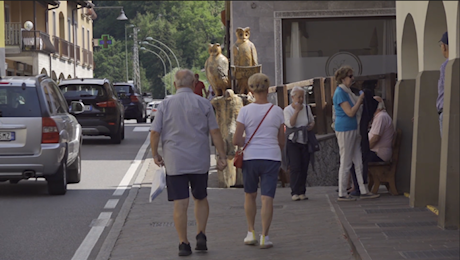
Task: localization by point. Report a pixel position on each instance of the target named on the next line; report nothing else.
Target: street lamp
(126, 49)
(151, 39)
(167, 56)
(121, 17)
(162, 61)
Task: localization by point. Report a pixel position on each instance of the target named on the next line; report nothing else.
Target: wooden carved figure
(244, 55)
(216, 68)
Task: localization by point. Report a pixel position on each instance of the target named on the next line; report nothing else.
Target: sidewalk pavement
(318, 228)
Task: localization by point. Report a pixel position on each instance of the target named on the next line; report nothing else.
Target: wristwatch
(222, 157)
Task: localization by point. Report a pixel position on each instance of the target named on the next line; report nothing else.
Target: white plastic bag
(158, 183)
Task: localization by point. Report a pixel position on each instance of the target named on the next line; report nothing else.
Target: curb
(359, 252)
(114, 233)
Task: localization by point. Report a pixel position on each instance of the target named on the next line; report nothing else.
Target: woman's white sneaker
(250, 238)
(265, 242)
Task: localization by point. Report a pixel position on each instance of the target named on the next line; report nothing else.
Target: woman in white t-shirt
(262, 156)
(298, 120)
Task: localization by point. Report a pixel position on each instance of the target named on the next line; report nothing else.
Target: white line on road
(91, 238)
(111, 204)
(132, 169)
(141, 129)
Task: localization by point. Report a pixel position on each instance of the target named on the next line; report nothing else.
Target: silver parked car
(39, 136)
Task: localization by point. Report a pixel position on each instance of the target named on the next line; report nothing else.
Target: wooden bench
(384, 172)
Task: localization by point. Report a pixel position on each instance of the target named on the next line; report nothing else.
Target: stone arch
(61, 76)
(69, 77)
(409, 50)
(53, 75)
(435, 26)
(44, 72)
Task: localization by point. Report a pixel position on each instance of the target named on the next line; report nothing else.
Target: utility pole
(136, 70)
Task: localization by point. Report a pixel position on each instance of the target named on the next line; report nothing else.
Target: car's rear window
(19, 102)
(125, 89)
(82, 91)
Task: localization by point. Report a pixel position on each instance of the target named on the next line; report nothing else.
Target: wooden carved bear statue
(244, 57)
(216, 68)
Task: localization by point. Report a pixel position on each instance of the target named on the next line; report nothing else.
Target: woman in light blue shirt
(347, 108)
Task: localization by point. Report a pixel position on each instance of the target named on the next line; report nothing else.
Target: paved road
(34, 225)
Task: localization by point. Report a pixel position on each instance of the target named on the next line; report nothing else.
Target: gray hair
(381, 105)
(184, 78)
(295, 89)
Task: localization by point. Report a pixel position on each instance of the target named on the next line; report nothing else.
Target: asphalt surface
(34, 225)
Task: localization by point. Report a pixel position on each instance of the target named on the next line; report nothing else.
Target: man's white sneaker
(295, 197)
(250, 238)
(265, 242)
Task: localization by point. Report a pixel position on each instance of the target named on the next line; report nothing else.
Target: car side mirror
(76, 107)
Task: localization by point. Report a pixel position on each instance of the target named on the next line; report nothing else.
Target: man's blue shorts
(178, 186)
(266, 170)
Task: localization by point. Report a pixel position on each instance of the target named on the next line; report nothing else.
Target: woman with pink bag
(263, 124)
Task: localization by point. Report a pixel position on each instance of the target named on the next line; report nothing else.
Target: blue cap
(445, 39)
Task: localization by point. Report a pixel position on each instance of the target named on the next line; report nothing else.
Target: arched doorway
(405, 100)
(69, 77)
(61, 25)
(53, 75)
(61, 76)
(44, 72)
(409, 50)
(435, 26)
(426, 147)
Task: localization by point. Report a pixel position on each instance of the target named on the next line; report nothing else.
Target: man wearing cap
(444, 44)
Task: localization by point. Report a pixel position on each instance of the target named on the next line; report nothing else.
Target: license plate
(7, 136)
(88, 108)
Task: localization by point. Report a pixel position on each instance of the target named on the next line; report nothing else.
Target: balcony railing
(37, 41)
(85, 57)
(90, 59)
(71, 51)
(64, 48)
(78, 54)
(56, 41)
(12, 34)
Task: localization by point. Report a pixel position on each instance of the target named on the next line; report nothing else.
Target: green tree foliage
(186, 27)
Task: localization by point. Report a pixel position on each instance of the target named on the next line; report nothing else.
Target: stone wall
(326, 161)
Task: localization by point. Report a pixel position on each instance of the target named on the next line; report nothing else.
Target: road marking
(111, 204)
(124, 184)
(91, 238)
(141, 129)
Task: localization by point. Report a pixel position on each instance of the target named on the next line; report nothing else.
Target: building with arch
(60, 41)
(428, 167)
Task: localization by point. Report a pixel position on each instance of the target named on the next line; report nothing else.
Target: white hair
(295, 89)
(184, 78)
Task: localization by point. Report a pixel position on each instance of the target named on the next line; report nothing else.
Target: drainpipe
(47, 18)
(74, 43)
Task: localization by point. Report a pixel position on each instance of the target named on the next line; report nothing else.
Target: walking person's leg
(199, 185)
(268, 182)
(251, 183)
(345, 142)
(440, 123)
(305, 161)
(294, 152)
(178, 191)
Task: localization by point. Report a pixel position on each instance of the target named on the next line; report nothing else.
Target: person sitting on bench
(380, 140)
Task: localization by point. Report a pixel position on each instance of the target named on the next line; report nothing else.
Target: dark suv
(132, 101)
(104, 113)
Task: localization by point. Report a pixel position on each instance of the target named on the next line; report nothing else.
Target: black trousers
(299, 158)
(370, 156)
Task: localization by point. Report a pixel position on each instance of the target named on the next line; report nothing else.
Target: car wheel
(74, 170)
(117, 136)
(123, 132)
(57, 183)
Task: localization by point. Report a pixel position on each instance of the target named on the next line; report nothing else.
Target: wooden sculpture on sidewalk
(227, 108)
(216, 68)
(245, 60)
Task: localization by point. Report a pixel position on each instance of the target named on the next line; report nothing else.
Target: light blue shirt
(342, 121)
(184, 121)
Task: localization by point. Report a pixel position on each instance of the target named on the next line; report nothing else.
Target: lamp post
(167, 56)
(126, 49)
(151, 39)
(162, 61)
